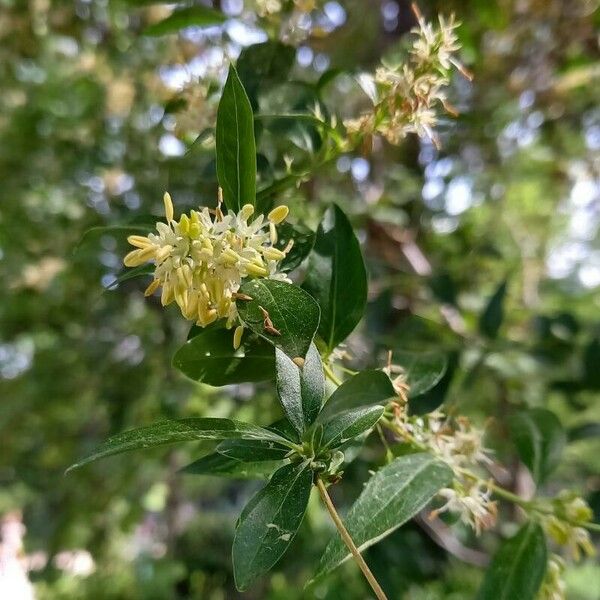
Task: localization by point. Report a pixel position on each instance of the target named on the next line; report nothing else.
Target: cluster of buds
(553, 586)
(406, 96)
(568, 512)
(202, 259)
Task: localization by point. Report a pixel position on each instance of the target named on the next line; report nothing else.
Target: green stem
(331, 375)
(349, 542)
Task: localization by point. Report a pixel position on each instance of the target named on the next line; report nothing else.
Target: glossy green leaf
(493, 314)
(540, 439)
(270, 522)
(518, 568)
(395, 494)
(198, 16)
(209, 357)
(422, 370)
(336, 277)
(252, 450)
(180, 430)
(222, 466)
(235, 145)
(293, 312)
(303, 241)
(300, 390)
(347, 425)
(363, 389)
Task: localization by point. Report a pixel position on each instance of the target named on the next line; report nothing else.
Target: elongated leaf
(181, 430)
(518, 568)
(347, 425)
(270, 522)
(300, 389)
(221, 466)
(303, 241)
(423, 370)
(395, 494)
(293, 312)
(493, 314)
(199, 16)
(236, 148)
(540, 439)
(336, 277)
(252, 450)
(363, 389)
(209, 357)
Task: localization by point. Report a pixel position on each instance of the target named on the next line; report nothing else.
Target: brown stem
(348, 541)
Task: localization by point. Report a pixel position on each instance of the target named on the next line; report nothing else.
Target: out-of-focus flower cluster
(553, 586)
(407, 96)
(568, 512)
(202, 259)
(460, 446)
(265, 8)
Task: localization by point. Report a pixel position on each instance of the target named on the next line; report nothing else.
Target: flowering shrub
(226, 267)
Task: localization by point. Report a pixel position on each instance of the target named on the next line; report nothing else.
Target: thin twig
(348, 541)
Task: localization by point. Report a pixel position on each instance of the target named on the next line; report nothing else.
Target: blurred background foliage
(97, 120)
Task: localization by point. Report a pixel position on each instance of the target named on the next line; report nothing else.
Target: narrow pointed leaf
(181, 430)
(222, 466)
(395, 494)
(540, 439)
(270, 522)
(252, 450)
(336, 277)
(518, 568)
(363, 389)
(347, 425)
(300, 389)
(236, 148)
(293, 312)
(199, 16)
(209, 357)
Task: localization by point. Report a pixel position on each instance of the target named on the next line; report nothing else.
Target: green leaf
(293, 312)
(363, 389)
(303, 239)
(263, 65)
(236, 149)
(540, 439)
(252, 450)
(336, 277)
(493, 314)
(518, 568)
(423, 370)
(300, 390)
(199, 16)
(221, 466)
(180, 430)
(270, 522)
(395, 494)
(209, 357)
(347, 425)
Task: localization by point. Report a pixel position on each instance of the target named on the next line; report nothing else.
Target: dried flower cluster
(460, 446)
(202, 259)
(407, 96)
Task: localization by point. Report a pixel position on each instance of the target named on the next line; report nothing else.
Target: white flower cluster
(406, 96)
(265, 8)
(202, 259)
(460, 446)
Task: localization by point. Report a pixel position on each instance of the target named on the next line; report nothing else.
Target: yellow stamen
(184, 225)
(237, 336)
(273, 254)
(277, 215)
(254, 269)
(152, 288)
(138, 257)
(169, 212)
(247, 211)
(139, 241)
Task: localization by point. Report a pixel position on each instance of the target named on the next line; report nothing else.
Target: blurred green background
(97, 120)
